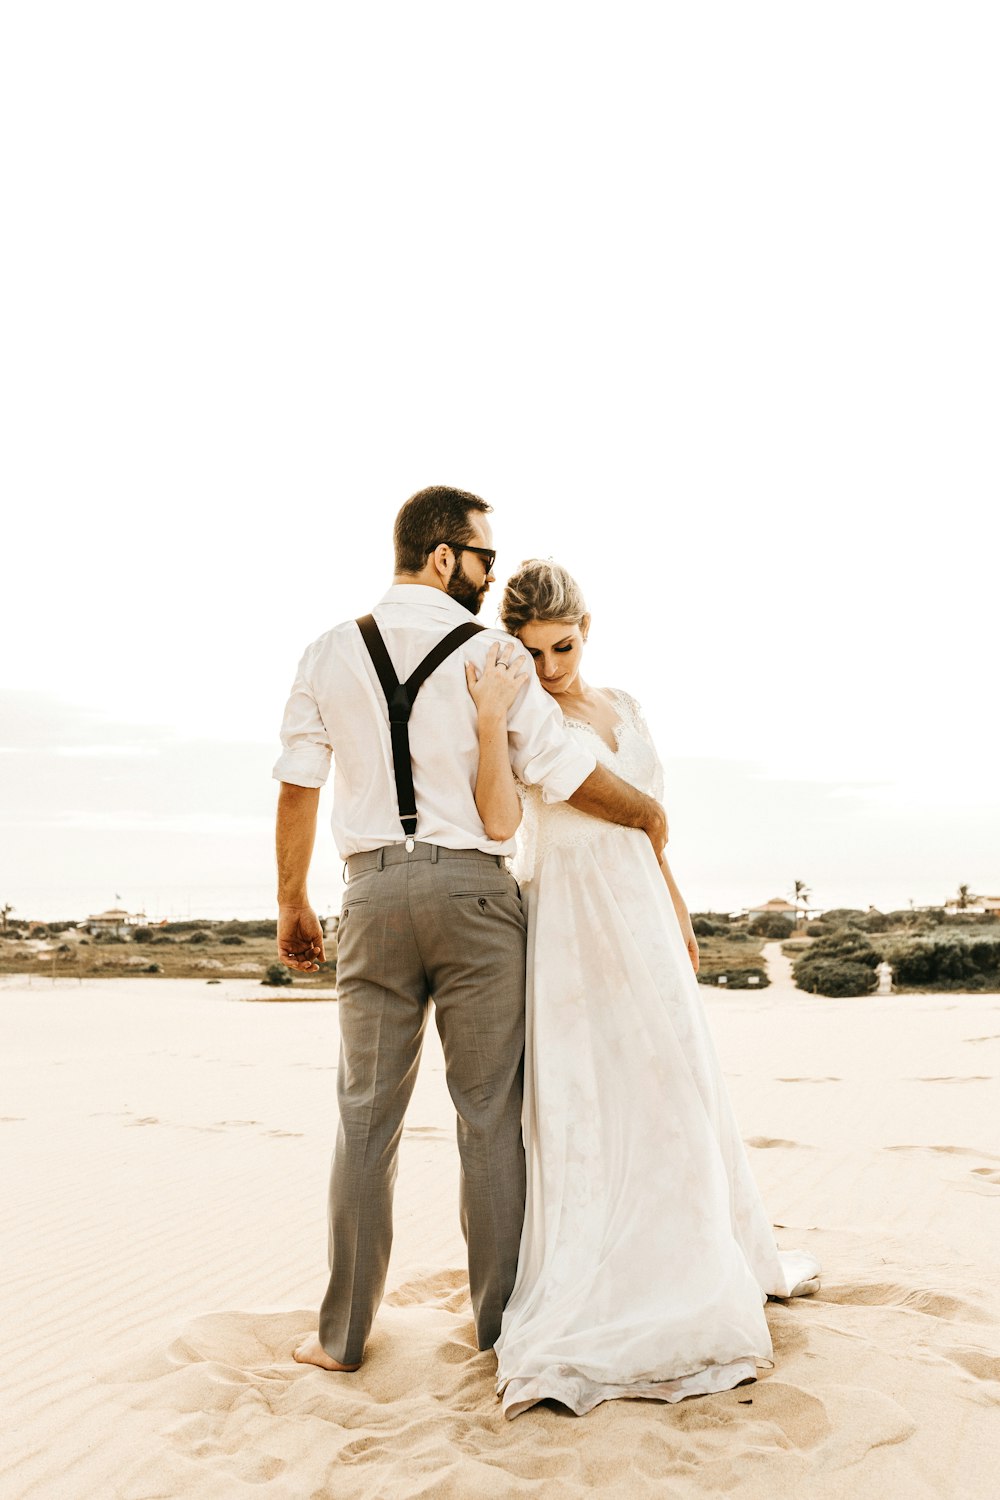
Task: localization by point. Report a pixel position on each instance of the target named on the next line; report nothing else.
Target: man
(431, 916)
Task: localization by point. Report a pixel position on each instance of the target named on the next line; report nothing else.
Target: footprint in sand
(993, 1037)
(808, 1080)
(766, 1142)
(428, 1132)
(969, 1078)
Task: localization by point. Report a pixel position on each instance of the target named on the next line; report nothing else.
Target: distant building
(974, 906)
(116, 922)
(776, 907)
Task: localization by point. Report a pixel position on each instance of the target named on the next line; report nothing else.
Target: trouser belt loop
(434, 854)
(380, 860)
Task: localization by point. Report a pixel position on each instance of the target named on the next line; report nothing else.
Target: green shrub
(874, 921)
(832, 976)
(948, 963)
(276, 974)
(233, 939)
(142, 935)
(250, 929)
(846, 943)
(186, 926)
(771, 926)
(843, 916)
(705, 928)
(817, 929)
(737, 979)
(153, 969)
(199, 937)
(912, 964)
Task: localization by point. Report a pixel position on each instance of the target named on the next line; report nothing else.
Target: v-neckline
(616, 730)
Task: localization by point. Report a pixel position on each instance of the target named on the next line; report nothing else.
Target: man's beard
(461, 588)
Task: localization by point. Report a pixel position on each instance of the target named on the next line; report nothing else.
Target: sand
(165, 1152)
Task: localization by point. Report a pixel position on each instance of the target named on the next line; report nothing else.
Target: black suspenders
(399, 697)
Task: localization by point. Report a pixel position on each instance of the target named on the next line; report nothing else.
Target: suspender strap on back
(399, 698)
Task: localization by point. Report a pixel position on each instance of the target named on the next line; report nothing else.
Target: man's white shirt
(336, 710)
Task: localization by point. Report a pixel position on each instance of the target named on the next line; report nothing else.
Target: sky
(702, 299)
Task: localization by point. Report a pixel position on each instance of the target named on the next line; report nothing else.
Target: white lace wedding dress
(647, 1254)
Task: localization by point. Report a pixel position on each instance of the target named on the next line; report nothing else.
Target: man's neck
(425, 580)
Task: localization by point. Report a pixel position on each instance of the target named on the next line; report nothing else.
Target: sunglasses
(489, 557)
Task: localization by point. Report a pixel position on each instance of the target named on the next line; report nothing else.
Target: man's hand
(300, 938)
(655, 828)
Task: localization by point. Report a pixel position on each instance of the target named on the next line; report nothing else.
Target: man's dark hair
(436, 514)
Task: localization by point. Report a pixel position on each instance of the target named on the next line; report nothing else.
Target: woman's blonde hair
(541, 590)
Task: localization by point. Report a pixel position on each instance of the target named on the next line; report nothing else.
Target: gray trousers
(433, 924)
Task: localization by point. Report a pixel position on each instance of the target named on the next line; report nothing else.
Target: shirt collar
(423, 596)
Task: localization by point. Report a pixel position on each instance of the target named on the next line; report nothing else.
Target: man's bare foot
(311, 1352)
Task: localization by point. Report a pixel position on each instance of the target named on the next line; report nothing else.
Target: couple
(617, 1243)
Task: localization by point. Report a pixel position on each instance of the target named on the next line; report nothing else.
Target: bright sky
(703, 299)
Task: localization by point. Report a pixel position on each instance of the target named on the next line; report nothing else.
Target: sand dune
(165, 1153)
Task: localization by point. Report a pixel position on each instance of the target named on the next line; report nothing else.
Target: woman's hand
(691, 944)
(495, 688)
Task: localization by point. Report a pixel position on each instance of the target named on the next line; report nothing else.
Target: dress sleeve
(306, 751)
(543, 752)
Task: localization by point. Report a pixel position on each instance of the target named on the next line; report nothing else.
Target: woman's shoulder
(629, 707)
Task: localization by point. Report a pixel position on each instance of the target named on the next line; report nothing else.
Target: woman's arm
(493, 691)
(683, 916)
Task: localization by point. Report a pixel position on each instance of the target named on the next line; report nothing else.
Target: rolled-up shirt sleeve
(543, 752)
(306, 751)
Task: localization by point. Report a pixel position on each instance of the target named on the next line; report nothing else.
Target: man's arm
(300, 936)
(606, 796)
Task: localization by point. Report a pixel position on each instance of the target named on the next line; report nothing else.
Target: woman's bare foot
(311, 1352)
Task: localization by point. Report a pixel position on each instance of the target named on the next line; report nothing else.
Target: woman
(646, 1255)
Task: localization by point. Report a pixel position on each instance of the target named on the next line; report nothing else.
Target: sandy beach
(165, 1150)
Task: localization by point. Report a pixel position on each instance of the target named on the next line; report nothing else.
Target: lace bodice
(546, 824)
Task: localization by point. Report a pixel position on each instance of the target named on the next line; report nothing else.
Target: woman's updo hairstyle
(541, 590)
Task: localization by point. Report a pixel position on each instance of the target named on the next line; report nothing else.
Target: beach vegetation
(231, 939)
(843, 916)
(199, 937)
(834, 976)
(771, 926)
(754, 977)
(142, 935)
(705, 927)
(261, 928)
(955, 963)
(276, 974)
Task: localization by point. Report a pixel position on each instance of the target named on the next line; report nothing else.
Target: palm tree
(801, 896)
(5, 912)
(965, 897)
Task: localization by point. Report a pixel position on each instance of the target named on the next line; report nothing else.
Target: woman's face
(557, 649)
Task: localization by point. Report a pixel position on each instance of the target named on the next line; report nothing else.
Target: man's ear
(441, 556)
